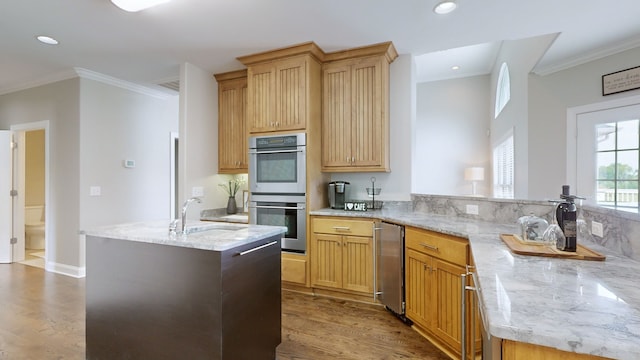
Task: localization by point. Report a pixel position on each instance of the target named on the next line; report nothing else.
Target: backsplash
(621, 229)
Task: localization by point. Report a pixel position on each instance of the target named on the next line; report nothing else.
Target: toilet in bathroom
(34, 227)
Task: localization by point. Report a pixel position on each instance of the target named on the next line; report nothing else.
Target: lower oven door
(282, 210)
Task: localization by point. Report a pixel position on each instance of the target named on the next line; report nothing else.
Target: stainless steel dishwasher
(389, 267)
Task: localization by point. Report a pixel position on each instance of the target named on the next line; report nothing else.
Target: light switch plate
(472, 209)
(596, 229)
(197, 191)
(95, 191)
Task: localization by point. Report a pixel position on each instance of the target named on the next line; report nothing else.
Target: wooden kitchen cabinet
(283, 88)
(434, 265)
(232, 122)
(355, 103)
(342, 254)
(294, 269)
(514, 350)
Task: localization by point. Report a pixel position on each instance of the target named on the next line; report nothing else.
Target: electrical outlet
(472, 209)
(197, 191)
(596, 229)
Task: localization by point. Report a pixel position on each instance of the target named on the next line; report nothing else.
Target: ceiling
(148, 47)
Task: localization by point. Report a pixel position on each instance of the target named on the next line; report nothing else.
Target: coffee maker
(337, 194)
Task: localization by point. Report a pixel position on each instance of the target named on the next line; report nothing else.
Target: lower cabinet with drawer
(342, 254)
(434, 263)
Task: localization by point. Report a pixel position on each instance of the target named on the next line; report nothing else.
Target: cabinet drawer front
(294, 269)
(343, 227)
(446, 247)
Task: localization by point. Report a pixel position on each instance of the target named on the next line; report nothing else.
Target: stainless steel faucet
(184, 213)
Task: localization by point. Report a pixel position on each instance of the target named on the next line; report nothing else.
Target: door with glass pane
(608, 157)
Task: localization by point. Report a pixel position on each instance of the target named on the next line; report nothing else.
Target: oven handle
(276, 207)
(251, 152)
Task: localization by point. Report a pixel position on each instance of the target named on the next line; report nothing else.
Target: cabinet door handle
(431, 247)
(257, 248)
(341, 228)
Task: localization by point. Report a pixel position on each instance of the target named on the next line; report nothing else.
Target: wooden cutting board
(518, 247)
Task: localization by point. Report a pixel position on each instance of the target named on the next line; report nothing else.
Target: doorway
(34, 203)
(31, 179)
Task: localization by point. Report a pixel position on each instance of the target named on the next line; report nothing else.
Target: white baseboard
(73, 271)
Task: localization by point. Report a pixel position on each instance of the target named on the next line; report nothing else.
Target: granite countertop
(201, 235)
(590, 307)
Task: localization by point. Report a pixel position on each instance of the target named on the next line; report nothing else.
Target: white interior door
(6, 201)
(591, 129)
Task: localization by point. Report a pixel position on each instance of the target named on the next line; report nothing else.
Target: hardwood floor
(43, 318)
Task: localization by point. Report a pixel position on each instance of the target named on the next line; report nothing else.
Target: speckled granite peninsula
(584, 307)
(155, 296)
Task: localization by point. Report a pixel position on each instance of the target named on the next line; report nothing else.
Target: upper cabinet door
(370, 124)
(232, 125)
(355, 120)
(284, 89)
(336, 115)
(261, 106)
(291, 94)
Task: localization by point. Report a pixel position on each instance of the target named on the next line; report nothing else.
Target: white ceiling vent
(173, 85)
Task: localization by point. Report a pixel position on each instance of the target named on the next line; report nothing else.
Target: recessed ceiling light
(455, 67)
(137, 5)
(445, 7)
(47, 40)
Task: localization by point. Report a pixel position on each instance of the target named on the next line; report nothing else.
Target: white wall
(452, 122)
(199, 141)
(93, 126)
(396, 185)
(119, 124)
(521, 56)
(59, 104)
(549, 98)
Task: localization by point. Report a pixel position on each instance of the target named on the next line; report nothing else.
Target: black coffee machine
(566, 214)
(337, 194)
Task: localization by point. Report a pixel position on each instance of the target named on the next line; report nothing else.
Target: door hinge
(13, 145)
(13, 240)
(13, 193)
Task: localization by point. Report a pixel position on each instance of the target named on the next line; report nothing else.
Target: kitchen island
(581, 308)
(214, 294)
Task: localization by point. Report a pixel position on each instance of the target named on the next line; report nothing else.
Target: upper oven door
(277, 166)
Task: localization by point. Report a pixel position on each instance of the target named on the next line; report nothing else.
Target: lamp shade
(474, 174)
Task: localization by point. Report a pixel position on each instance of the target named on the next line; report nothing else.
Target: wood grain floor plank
(43, 317)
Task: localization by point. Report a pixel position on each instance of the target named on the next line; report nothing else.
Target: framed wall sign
(620, 81)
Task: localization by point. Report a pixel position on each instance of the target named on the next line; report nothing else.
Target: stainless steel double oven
(277, 183)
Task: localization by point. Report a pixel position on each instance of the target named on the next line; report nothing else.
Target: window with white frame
(503, 89)
(610, 139)
(503, 168)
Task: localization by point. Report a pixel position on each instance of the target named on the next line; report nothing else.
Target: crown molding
(583, 59)
(92, 75)
(49, 79)
(109, 80)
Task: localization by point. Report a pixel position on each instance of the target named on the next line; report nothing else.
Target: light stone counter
(590, 307)
(201, 235)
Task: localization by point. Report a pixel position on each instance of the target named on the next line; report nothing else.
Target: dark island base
(151, 301)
